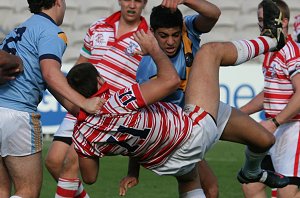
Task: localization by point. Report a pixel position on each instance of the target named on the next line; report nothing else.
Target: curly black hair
(36, 6)
(162, 17)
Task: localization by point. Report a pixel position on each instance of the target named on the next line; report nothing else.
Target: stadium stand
(6, 9)
(249, 7)
(20, 6)
(96, 8)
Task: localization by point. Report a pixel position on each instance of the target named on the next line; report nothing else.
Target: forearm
(133, 167)
(208, 14)
(58, 83)
(293, 106)
(254, 105)
(290, 111)
(70, 107)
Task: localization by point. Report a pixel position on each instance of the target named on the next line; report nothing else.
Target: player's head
(36, 6)
(284, 10)
(84, 78)
(167, 28)
(131, 10)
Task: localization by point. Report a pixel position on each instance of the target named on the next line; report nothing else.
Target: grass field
(225, 158)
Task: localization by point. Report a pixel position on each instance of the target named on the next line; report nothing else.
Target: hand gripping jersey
(279, 69)
(125, 126)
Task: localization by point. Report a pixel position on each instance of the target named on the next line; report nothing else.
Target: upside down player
(133, 123)
(179, 38)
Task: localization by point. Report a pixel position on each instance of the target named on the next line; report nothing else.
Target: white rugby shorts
(20, 133)
(203, 136)
(285, 153)
(66, 128)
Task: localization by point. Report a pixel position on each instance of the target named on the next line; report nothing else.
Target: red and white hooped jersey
(279, 69)
(125, 126)
(112, 57)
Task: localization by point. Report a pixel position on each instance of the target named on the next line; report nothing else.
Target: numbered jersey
(36, 39)
(126, 127)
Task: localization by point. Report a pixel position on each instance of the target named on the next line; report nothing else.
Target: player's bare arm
(167, 80)
(132, 178)
(57, 82)
(208, 12)
(254, 105)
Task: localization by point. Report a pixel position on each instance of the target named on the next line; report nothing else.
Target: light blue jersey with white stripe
(147, 67)
(36, 39)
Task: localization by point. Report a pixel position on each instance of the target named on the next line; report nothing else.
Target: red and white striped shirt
(112, 57)
(279, 69)
(125, 126)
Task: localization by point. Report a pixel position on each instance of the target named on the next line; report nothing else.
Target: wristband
(275, 122)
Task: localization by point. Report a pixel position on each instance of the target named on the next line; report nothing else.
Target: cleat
(273, 23)
(269, 178)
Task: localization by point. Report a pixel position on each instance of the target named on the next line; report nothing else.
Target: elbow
(174, 82)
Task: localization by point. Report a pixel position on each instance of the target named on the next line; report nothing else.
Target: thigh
(241, 128)
(5, 183)
(21, 133)
(26, 173)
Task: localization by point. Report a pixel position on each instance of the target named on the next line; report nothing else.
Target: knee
(89, 179)
(51, 163)
(212, 48)
(269, 140)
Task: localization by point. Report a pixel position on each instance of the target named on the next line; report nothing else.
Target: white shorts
(285, 153)
(203, 136)
(20, 133)
(66, 127)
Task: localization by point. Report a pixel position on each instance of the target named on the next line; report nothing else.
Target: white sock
(248, 49)
(15, 196)
(197, 193)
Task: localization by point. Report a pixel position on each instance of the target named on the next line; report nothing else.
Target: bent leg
(208, 180)
(69, 185)
(203, 82)
(189, 185)
(55, 158)
(241, 128)
(26, 174)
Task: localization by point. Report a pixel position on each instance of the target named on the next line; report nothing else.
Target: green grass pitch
(225, 159)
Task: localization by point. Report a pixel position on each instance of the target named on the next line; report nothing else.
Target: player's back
(126, 127)
(34, 40)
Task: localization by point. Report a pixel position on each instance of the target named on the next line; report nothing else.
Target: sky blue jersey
(147, 67)
(36, 39)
